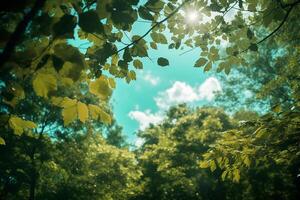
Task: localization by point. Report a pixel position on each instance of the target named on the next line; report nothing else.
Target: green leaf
(250, 34)
(131, 75)
(102, 8)
(155, 5)
(2, 141)
(138, 64)
(200, 62)
(90, 22)
(65, 26)
(208, 67)
(44, 83)
(158, 38)
(253, 47)
(162, 61)
(127, 56)
(277, 108)
(145, 14)
(247, 161)
(224, 174)
(19, 125)
(140, 48)
(153, 45)
(227, 69)
(213, 166)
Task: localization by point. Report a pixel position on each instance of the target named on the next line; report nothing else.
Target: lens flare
(191, 16)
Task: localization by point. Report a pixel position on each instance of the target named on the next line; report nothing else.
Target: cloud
(180, 92)
(208, 89)
(148, 77)
(145, 118)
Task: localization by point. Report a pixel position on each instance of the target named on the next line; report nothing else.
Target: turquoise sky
(136, 104)
(153, 81)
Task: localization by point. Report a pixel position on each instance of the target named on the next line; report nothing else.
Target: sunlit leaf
(100, 88)
(83, 112)
(2, 141)
(44, 83)
(19, 125)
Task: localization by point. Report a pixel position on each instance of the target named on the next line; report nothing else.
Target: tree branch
(155, 25)
(278, 27)
(18, 33)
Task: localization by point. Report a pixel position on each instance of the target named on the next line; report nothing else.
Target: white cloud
(180, 92)
(148, 77)
(145, 118)
(208, 89)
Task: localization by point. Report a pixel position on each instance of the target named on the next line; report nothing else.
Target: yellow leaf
(247, 161)
(69, 114)
(83, 112)
(56, 101)
(2, 141)
(72, 109)
(236, 175)
(67, 82)
(44, 83)
(131, 75)
(213, 166)
(224, 174)
(104, 117)
(67, 102)
(100, 88)
(204, 164)
(112, 82)
(19, 125)
(96, 112)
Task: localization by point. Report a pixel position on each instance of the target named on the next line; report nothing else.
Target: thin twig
(154, 26)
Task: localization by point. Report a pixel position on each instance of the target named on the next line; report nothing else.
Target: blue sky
(145, 100)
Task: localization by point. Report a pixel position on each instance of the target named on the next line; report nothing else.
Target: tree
(45, 71)
(37, 49)
(172, 151)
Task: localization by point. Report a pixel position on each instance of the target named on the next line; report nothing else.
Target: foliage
(54, 103)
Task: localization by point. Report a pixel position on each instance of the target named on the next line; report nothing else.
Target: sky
(144, 101)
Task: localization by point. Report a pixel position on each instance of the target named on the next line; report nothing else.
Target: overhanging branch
(155, 25)
(18, 33)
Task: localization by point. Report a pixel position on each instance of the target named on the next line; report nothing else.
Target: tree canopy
(59, 61)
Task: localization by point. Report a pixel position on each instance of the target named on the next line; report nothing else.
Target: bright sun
(191, 16)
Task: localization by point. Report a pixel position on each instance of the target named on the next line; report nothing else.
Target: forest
(62, 60)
